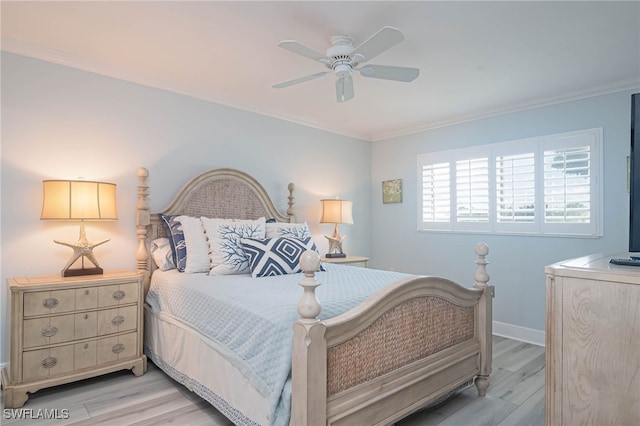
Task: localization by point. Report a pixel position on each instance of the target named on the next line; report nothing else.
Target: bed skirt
(184, 355)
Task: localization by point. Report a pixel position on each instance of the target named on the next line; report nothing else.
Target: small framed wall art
(392, 191)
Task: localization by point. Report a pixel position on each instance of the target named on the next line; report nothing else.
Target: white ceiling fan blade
(303, 50)
(300, 80)
(389, 73)
(344, 88)
(379, 42)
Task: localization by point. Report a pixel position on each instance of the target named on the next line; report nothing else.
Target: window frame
(537, 146)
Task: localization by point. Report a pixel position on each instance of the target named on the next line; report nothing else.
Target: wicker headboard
(218, 193)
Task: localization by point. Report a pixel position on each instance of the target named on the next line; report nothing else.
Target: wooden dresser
(68, 329)
(593, 343)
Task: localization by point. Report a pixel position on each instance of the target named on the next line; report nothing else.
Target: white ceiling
(476, 58)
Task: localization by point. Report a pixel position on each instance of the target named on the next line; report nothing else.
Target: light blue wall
(62, 123)
(58, 122)
(517, 263)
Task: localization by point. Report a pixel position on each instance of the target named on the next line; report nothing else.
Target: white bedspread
(250, 320)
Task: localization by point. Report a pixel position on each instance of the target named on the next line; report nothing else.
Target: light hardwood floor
(515, 397)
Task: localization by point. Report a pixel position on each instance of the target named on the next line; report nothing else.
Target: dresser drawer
(49, 362)
(119, 294)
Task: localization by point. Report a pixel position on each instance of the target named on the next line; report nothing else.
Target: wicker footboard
(401, 350)
(407, 333)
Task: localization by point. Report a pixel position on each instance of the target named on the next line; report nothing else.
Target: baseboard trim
(516, 332)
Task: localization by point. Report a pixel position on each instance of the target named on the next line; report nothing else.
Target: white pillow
(288, 230)
(197, 246)
(161, 254)
(226, 254)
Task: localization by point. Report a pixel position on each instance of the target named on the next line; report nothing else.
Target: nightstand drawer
(120, 294)
(58, 301)
(115, 348)
(115, 320)
(47, 362)
(48, 330)
(65, 328)
(49, 302)
(50, 362)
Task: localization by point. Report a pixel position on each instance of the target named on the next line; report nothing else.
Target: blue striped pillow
(173, 228)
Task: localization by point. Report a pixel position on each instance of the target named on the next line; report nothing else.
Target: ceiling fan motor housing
(340, 51)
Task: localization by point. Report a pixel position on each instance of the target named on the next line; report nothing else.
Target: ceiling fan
(342, 58)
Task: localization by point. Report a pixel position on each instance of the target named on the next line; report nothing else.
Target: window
(435, 203)
(541, 186)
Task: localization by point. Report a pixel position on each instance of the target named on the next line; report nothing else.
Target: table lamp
(79, 200)
(337, 212)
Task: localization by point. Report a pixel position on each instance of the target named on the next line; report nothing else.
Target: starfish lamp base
(82, 249)
(335, 244)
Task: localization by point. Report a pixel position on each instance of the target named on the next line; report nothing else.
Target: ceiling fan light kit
(342, 57)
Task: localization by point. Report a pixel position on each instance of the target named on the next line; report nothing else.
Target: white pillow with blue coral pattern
(226, 254)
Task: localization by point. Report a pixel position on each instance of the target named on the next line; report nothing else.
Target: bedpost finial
(308, 306)
(481, 276)
(309, 262)
(143, 172)
(482, 249)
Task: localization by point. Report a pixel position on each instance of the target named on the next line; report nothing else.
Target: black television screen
(634, 196)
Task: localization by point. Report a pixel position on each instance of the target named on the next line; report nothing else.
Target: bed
(391, 345)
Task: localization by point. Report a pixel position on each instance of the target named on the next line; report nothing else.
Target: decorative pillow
(288, 230)
(225, 251)
(162, 254)
(276, 256)
(197, 259)
(173, 228)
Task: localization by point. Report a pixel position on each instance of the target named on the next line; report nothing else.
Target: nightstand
(349, 260)
(69, 329)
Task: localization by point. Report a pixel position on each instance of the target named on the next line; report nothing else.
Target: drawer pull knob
(118, 294)
(50, 303)
(86, 292)
(49, 331)
(117, 348)
(117, 320)
(86, 316)
(49, 362)
(86, 346)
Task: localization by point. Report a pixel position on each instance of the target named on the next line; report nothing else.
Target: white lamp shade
(336, 211)
(78, 200)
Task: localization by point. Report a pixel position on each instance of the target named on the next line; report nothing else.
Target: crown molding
(618, 86)
(101, 68)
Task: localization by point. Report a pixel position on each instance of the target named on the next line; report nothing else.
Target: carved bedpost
(485, 319)
(309, 355)
(143, 220)
(481, 276)
(290, 213)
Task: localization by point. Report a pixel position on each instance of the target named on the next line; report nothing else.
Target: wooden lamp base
(78, 272)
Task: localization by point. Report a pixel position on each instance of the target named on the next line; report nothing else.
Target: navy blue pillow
(275, 256)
